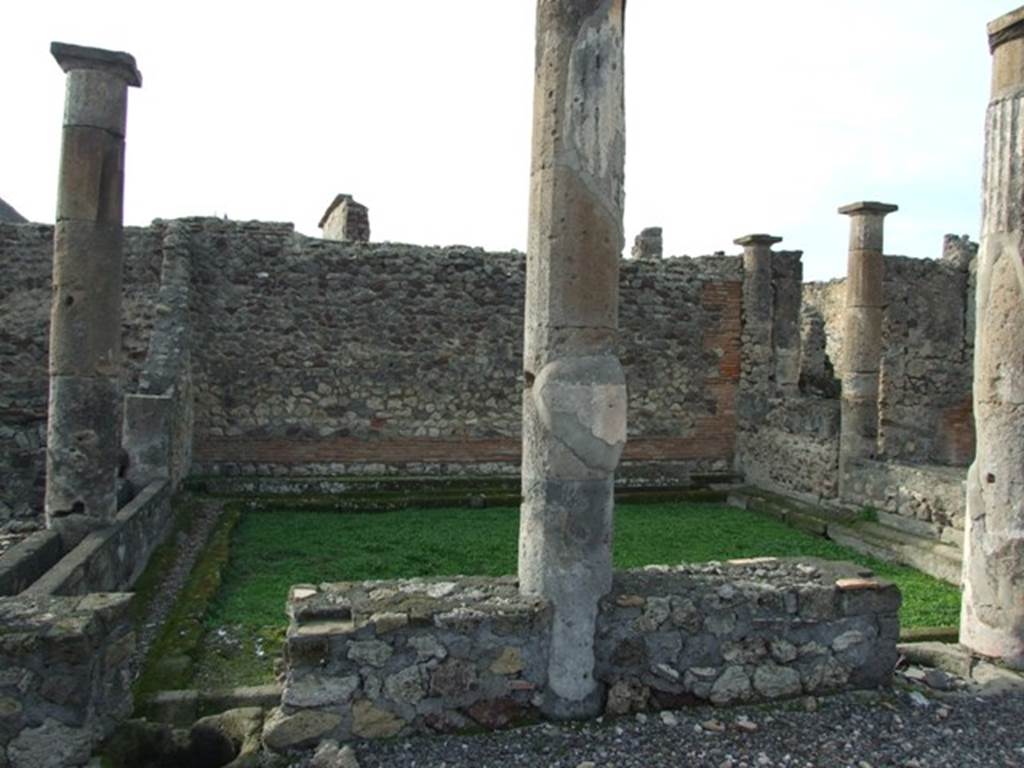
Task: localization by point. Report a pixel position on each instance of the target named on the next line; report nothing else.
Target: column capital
(118, 63)
(1007, 27)
(758, 239)
(867, 207)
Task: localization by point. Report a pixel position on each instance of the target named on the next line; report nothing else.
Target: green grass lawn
(271, 550)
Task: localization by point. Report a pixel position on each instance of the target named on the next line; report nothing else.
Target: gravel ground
(859, 730)
(189, 546)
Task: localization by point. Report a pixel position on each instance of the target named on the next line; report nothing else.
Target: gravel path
(189, 546)
(859, 730)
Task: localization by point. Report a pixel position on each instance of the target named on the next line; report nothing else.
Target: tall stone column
(992, 617)
(756, 372)
(757, 309)
(574, 401)
(862, 334)
(84, 427)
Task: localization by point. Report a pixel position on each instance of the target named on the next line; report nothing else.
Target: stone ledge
(112, 557)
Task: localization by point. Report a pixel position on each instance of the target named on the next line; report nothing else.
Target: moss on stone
(171, 659)
(183, 507)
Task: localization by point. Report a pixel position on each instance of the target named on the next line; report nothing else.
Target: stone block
(83, 438)
(50, 745)
(283, 732)
(147, 437)
(371, 722)
(95, 99)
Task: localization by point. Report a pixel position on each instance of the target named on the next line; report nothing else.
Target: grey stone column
(574, 401)
(84, 426)
(758, 300)
(862, 334)
(992, 618)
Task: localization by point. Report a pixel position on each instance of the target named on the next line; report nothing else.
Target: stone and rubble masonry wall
(65, 677)
(302, 358)
(927, 353)
(317, 357)
(383, 658)
(26, 258)
(926, 431)
(789, 437)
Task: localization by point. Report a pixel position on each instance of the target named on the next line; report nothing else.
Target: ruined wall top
(648, 244)
(346, 220)
(9, 215)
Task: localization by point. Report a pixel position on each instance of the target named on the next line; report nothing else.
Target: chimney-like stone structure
(992, 614)
(959, 251)
(862, 334)
(346, 220)
(84, 426)
(648, 244)
(574, 398)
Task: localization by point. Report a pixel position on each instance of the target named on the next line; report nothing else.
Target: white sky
(741, 116)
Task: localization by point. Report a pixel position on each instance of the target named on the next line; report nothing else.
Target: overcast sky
(741, 116)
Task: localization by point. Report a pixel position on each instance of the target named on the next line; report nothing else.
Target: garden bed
(230, 623)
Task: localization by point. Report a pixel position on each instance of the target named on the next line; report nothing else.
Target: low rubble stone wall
(382, 658)
(932, 495)
(65, 676)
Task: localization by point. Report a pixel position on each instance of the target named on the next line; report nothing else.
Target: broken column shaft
(84, 421)
(992, 617)
(574, 401)
(862, 334)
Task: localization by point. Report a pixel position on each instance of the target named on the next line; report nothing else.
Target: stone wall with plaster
(379, 659)
(283, 354)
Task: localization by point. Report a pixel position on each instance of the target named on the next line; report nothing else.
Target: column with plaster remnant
(862, 334)
(574, 403)
(84, 421)
(992, 617)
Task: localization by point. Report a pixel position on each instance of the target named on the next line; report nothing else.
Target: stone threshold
(984, 676)
(183, 707)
